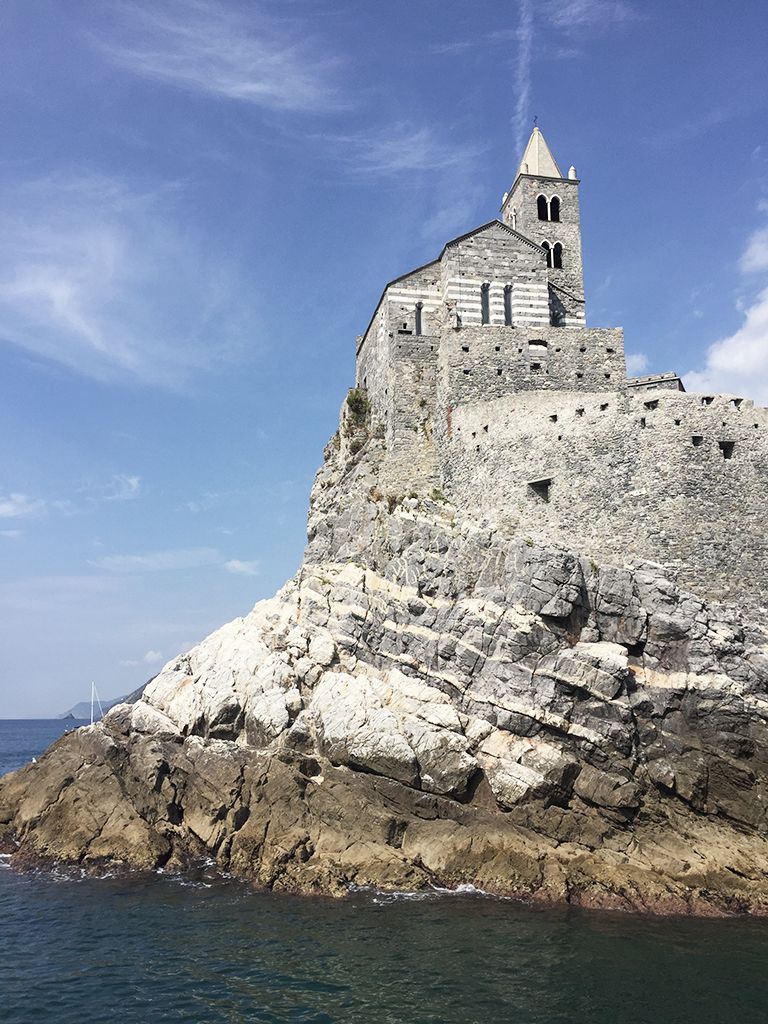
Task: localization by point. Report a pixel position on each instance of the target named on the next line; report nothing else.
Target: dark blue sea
(166, 949)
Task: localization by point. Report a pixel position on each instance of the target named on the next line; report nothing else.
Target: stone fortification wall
(479, 363)
(372, 368)
(409, 432)
(674, 477)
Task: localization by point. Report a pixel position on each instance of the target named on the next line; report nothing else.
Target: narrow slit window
(557, 256)
(507, 306)
(554, 208)
(485, 303)
(419, 308)
(546, 247)
(542, 207)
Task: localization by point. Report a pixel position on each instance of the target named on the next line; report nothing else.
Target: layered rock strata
(434, 701)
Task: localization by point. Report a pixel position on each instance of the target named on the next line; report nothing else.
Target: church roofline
(430, 263)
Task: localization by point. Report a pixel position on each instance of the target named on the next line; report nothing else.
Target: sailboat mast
(93, 690)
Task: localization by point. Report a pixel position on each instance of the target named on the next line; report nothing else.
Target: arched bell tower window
(548, 250)
(485, 303)
(419, 307)
(543, 207)
(507, 305)
(557, 256)
(554, 208)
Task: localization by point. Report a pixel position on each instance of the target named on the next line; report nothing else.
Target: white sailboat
(95, 696)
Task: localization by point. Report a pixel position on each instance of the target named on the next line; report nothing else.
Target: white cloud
(637, 363)
(20, 506)
(240, 568)
(236, 54)
(152, 657)
(11, 534)
(739, 364)
(756, 254)
(160, 561)
(97, 275)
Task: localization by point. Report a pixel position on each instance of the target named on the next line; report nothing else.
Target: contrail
(523, 73)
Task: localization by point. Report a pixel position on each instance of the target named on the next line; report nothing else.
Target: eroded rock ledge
(435, 701)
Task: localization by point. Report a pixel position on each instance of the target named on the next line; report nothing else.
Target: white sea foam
(381, 897)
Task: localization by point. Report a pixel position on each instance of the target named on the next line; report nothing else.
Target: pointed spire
(537, 158)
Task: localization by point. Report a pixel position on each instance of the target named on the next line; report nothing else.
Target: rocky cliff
(432, 700)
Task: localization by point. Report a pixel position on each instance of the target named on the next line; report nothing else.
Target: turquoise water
(164, 949)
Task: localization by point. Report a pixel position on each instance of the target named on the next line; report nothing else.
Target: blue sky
(199, 204)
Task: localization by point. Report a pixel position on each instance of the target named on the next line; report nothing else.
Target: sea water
(167, 949)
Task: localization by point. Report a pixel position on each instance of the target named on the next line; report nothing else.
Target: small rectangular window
(726, 447)
(541, 488)
(697, 440)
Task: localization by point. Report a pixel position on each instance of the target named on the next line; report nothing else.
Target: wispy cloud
(523, 66)
(241, 568)
(10, 534)
(21, 506)
(120, 487)
(173, 559)
(739, 364)
(97, 275)
(402, 148)
(577, 14)
(160, 561)
(233, 52)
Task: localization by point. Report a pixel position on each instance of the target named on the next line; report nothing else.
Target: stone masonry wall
(490, 362)
(674, 477)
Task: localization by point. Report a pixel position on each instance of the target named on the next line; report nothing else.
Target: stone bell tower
(544, 206)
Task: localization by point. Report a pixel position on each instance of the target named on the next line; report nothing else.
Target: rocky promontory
(434, 700)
